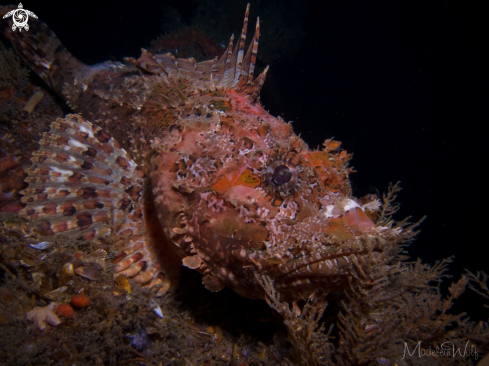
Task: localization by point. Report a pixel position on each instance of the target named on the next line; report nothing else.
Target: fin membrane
(233, 70)
(43, 52)
(82, 183)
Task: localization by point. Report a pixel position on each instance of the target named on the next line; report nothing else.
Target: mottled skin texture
(205, 142)
(215, 204)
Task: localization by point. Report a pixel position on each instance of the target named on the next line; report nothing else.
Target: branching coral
(389, 205)
(481, 280)
(390, 310)
(307, 335)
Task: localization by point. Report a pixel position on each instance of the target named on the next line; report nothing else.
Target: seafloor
(119, 326)
(121, 323)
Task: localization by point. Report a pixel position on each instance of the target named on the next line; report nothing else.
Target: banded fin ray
(78, 177)
(83, 184)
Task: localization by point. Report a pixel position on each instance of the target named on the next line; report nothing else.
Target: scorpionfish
(175, 162)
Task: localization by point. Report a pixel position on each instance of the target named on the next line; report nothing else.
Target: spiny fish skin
(210, 179)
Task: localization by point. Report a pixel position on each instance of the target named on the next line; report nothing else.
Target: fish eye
(282, 175)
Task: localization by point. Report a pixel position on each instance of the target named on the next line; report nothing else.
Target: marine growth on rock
(167, 161)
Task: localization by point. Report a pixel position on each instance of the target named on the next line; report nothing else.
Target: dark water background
(404, 85)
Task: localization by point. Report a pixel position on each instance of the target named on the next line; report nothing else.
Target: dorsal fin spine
(230, 49)
(240, 46)
(219, 68)
(254, 51)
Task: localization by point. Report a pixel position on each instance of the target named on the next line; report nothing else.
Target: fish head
(238, 193)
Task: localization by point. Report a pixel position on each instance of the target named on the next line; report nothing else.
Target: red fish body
(181, 164)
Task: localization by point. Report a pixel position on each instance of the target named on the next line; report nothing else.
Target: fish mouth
(348, 244)
(328, 275)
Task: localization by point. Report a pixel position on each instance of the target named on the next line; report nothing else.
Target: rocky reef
(60, 303)
(26, 110)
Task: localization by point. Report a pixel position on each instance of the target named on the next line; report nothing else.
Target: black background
(404, 85)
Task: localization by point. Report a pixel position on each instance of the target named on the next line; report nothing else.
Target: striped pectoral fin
(81, 181)
(83, 184)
